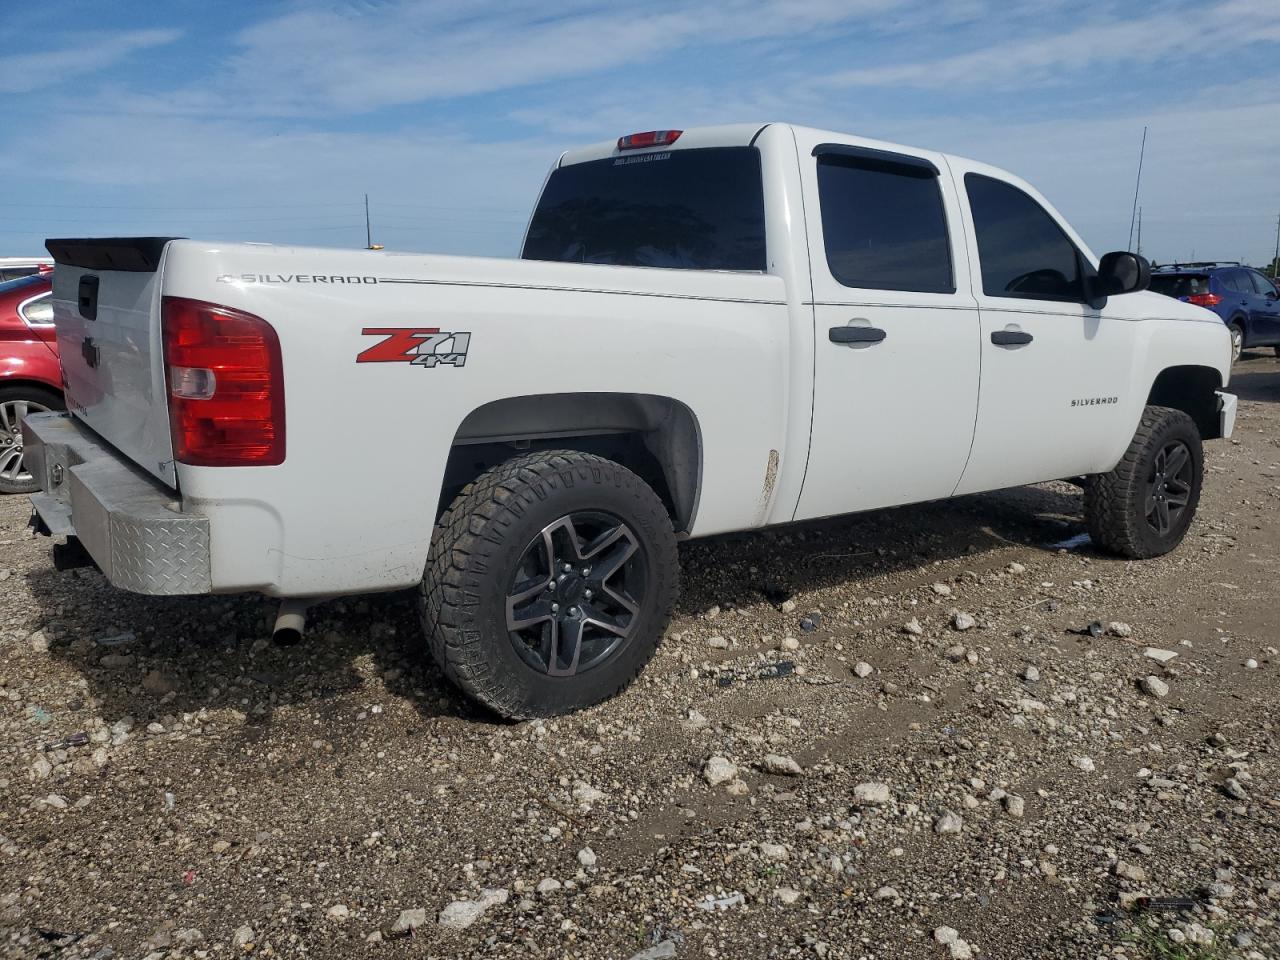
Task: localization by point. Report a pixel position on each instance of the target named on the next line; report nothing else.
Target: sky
(269, 120)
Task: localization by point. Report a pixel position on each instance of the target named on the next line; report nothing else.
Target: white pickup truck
(710, 330)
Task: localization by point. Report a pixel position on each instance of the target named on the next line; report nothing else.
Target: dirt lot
(172, 785)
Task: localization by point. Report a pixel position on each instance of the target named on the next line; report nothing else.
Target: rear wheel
(1237, 339)
(16, 401)
(549, 583)
(1144, 506)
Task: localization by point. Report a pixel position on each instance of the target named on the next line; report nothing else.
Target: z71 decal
(421, 346)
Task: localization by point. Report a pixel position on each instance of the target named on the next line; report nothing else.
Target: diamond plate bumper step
(131, 524)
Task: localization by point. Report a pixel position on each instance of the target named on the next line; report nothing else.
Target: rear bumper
(131, 525)
(1226, 414)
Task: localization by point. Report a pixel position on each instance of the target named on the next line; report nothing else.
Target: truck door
(1057, 389)
(896, 328)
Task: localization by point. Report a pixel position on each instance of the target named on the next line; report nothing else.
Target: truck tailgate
(106, 304)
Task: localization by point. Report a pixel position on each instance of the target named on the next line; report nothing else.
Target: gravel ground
(888, 736)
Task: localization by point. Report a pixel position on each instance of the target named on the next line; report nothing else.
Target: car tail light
(653, 138)
(226, 385)
(1204, 299)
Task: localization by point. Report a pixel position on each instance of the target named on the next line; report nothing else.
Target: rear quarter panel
(353, 506)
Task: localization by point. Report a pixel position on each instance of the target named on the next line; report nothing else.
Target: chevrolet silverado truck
(707, 331)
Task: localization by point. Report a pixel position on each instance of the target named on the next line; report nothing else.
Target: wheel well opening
(1191, 389)
(657, 438)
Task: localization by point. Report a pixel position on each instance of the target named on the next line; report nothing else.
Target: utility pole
(1275, 263)
(368, 233)
(1138, 183)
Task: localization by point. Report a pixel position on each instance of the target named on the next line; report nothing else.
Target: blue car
(1247, 302)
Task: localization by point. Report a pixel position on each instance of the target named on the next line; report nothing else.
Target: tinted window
(1261, 284)
(884, 226)
(1022, 250)
(1179, 284)
(1236, 280)
(26, 280)
(690, 209)
(39, 310)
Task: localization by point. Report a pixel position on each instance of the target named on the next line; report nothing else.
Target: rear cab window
(691, 209)
(884, 226)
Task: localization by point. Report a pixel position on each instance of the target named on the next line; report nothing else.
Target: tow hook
(291, 621)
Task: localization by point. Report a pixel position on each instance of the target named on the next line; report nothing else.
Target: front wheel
(549, 583)
(1144, 506)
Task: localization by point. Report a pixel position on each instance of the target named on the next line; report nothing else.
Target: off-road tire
(41, 396)
(1115, 502)
(476, 551)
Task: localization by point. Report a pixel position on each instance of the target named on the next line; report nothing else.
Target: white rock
(787, 606)
(1016, 568)
(1118, 628)
(1158, 655)
(243, 936)
(587, 857)
(783, 766)
(463, 913)
(941, 589)
(714, 903)
(946, 935)
(666, 950)
(862, 669)
(789, 643)
(409, 920)
(585, 793)
(548, 885)
(339, 912)
(1031, 673)
(963, 621)
(871, 794)
(913, 627)
(949, 822)
(787, 895)
(718, 770)
(774, 851)
(1234, 788)
(41, 768)
(1251, 664)
(1084, 763)
(718, 643)
(1153, 686)
(1015, 806)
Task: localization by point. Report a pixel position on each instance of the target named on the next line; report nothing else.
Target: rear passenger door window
(883, 224)
(1022, 251)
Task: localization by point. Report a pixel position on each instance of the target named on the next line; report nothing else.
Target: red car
(30, 379)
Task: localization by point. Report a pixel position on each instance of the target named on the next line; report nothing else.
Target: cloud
(355, 60)
(1098, 42)
(41, 69)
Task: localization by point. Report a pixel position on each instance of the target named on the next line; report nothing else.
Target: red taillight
(653, 138)
(226, 385)
(1204, 299)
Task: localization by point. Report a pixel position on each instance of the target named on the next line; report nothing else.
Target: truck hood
(1149, 305)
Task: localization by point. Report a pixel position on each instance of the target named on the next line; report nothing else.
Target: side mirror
(1120, 272)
